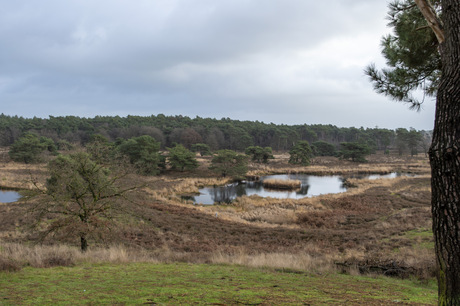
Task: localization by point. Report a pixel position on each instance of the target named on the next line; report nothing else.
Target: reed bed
(281, 184)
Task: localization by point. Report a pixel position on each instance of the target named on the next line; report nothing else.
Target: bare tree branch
(432, 18)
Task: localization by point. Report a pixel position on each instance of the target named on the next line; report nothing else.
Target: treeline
(218, 134)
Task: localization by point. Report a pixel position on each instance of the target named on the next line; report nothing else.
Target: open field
(191, 284)
(381, 226)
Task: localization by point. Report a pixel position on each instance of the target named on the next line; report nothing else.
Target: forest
(218, 134)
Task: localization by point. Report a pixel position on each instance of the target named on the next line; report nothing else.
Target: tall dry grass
(299, 262)
(282, 184)
(41, 256)
(14, 256)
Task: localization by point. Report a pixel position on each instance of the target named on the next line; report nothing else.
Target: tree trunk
(445, 161)
(83, 243)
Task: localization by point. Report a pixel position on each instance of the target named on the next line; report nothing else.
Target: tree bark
(432, 18)
(445, 161)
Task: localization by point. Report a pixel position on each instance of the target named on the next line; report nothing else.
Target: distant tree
(28, 148)
(322, 148)
(228, 163)
(426, 141)
(237, 138)
(215, 139)
(49, 145)
(401, 140)
(64, 145)
(357, 152)
(100, 149)
(203, 148)
(143, 153)
(414, 138)
(81, 198)
(259, 154)
(301, 153)
(189, 137)
(136, 131)
(181, 158)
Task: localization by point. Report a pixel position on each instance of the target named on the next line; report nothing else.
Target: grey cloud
(187, 57)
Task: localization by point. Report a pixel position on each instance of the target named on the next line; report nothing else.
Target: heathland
(378, 227)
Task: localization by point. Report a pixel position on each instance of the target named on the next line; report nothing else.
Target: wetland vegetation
(381, 226)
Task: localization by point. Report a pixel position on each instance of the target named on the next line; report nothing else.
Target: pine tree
(431, 61)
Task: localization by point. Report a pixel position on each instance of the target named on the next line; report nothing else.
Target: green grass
(424, 236)
(186, 284)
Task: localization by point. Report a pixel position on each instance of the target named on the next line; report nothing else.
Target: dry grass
(282, 184)
(299, 262)
(61, 255)
(14, 256)
(21, 176)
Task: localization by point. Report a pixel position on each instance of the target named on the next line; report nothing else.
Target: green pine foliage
(411, 54)
(203, 148)
(357, 152)
(180, 158)
(259, 154)
(29, 148)
(322, 148)
(199, 134)
(301, 154)
(143, 153)
(229, 163)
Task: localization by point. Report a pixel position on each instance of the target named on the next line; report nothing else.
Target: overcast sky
(280, 61)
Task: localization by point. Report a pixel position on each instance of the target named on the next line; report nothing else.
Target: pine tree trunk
(445, 161)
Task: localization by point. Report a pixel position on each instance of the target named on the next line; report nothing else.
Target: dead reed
(281, 184)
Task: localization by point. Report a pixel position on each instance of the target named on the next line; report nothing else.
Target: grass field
(198, 284)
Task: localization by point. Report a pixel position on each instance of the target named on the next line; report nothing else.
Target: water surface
(311, 185)
(8, 196)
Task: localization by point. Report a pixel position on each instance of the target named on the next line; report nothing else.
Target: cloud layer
(289, 62)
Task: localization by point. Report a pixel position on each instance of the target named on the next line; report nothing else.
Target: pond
(311, 185)
(9, 196)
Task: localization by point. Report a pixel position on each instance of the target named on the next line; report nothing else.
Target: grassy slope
(179, 284)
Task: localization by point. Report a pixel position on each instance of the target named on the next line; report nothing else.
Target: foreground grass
(184, 284)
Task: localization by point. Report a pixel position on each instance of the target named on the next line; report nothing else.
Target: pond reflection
(9, 196)
(311, 185)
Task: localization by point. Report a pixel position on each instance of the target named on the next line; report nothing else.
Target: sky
(280, 61)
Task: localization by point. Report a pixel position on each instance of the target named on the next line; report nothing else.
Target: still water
(311, 185)
(8, 196)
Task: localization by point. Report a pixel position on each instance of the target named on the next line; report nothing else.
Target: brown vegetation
(282, 184)
(382, 226)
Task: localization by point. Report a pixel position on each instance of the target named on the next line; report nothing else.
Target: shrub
(259, 154)
(203, 148)
(354, 151)
(181, 158)
(229, 163)
(301, 153)
(143, 153)
(28, 148)
(322, 148)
